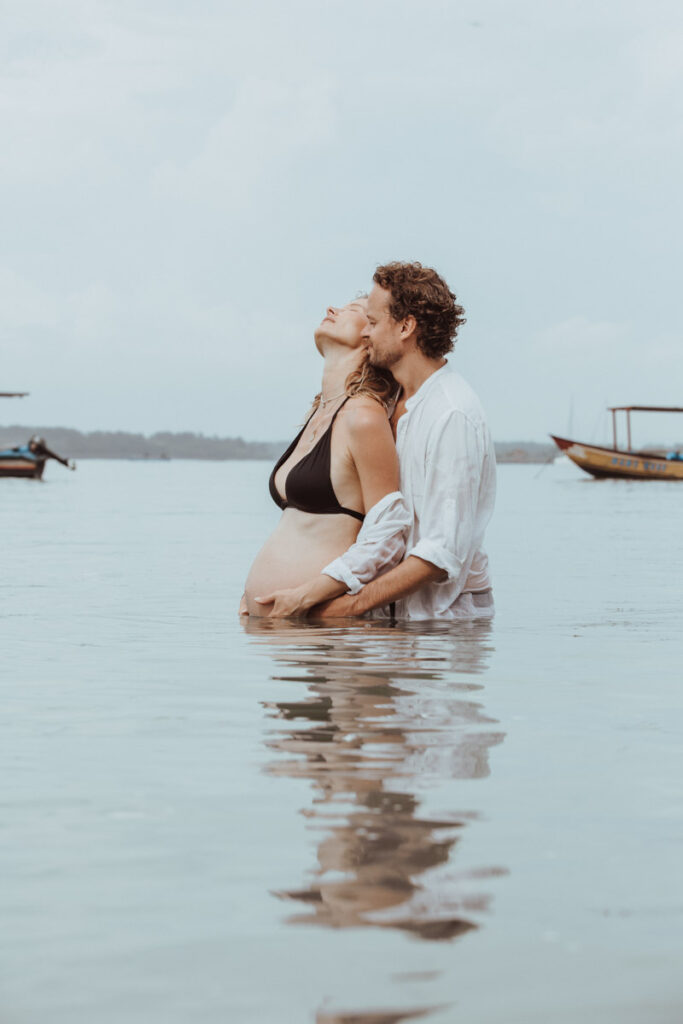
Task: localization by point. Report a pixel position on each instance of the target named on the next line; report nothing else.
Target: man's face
(382, 336)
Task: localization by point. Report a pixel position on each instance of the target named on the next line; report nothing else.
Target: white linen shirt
(379, 546)
(448, 480)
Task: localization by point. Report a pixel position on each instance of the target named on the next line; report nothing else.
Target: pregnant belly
(296, 552)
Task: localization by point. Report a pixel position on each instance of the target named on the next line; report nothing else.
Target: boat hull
(31, 469)
(610, 462)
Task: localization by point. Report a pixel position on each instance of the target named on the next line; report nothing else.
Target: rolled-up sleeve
(452, 480)
(380, 544)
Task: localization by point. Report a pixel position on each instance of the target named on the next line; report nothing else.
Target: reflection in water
(381, 719)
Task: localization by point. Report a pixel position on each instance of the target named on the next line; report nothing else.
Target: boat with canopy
(635, 464)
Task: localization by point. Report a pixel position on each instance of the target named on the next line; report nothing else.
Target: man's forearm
(406, 578)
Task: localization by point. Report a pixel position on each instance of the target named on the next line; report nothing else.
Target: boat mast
(614, 428)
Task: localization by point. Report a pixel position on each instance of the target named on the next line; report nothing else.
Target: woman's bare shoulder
(363, 415)
(358, 406)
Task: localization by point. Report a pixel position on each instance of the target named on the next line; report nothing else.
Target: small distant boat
(625, 462)
(27, 460)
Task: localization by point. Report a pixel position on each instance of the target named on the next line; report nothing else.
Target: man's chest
(397, 414)
(411, 445)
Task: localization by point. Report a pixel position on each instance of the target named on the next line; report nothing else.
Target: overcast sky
(186, 185)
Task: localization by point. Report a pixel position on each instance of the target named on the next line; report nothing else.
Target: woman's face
(343, 324)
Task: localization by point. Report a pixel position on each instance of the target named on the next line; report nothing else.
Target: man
(445, 452)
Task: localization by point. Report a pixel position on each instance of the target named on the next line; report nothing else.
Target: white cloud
(190, 184)
(269, 125)
(579, 342)
(77, 317)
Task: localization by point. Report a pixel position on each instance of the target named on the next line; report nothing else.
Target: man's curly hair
(420, 292)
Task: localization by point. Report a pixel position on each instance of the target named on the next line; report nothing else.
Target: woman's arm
(380, 544)
(373, 451)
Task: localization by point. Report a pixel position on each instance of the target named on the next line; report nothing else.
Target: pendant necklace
(323, 403)
(326, 401)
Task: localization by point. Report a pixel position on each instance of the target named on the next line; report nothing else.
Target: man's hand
(296, 602)
(286, 604)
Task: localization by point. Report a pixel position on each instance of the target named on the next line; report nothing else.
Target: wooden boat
(27, 460)
(626, 462)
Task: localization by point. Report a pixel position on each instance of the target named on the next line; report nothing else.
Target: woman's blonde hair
(369, 380)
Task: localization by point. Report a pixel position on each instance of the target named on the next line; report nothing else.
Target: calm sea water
(206, 822)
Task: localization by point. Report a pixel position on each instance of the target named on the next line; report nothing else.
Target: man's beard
(384, 361)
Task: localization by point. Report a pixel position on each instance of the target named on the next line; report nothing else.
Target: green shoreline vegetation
(102, 444)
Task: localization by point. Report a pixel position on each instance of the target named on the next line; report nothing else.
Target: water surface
(209, 821)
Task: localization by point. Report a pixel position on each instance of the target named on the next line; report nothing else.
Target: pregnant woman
(342, 465)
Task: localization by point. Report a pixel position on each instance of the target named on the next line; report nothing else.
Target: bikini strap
(339, 410)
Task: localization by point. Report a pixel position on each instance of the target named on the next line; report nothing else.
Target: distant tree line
(104, 444)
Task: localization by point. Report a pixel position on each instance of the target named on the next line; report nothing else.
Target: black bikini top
(308, 486)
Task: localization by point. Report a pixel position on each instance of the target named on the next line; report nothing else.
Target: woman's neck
(340, 361)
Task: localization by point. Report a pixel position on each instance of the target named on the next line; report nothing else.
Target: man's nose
(365, 333)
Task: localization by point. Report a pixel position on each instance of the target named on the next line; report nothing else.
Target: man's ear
(408, 328)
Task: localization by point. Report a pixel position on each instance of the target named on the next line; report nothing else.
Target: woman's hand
(287, 604)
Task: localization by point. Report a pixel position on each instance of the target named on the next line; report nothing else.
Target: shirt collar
(425, 387)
